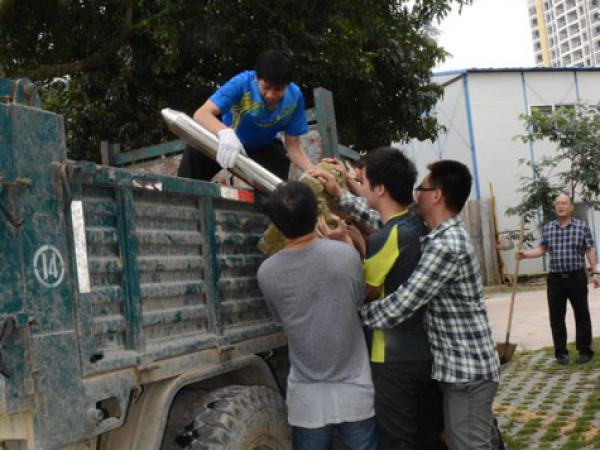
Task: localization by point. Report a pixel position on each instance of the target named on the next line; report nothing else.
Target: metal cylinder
(203, 140)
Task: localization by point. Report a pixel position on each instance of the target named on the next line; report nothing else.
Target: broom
(506, 349)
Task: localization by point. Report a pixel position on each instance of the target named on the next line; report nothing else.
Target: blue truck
(130, 316)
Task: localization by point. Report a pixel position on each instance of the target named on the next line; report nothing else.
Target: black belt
(572, 274)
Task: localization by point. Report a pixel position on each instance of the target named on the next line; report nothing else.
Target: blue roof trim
(516, 69)
(450, 72)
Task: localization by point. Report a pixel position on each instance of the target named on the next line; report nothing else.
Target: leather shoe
(563, 360)
(584, 358)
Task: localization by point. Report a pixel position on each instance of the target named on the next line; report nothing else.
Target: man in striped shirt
(568, 240)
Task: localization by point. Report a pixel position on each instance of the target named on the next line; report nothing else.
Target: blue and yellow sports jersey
(392, 254)
(243, 109)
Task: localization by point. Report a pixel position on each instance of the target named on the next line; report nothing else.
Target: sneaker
(563, 359)
(584, 358)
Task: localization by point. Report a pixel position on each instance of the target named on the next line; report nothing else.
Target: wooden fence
(478, 219)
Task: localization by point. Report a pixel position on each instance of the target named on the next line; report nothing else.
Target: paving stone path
(540, 404)
(543, 405)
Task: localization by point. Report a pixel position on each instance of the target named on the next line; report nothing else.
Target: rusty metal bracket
(7, 328)
(15, 221)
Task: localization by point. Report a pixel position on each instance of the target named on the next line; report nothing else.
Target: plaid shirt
(447, 277)
(357, 208)
(567, 246)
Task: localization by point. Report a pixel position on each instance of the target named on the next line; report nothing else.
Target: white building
(480, 110)
(565, 32)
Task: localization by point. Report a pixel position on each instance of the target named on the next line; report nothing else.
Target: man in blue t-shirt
(246, 114)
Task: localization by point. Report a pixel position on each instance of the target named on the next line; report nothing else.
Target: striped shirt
(447, 278)
(567, 246)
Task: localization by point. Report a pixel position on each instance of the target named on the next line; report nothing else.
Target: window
(544, 110)
(572, 16)
(564, 107)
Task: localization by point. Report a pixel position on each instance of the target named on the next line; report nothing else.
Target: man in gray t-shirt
(314, 288)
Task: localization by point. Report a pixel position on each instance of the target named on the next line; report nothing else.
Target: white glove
(229, 148)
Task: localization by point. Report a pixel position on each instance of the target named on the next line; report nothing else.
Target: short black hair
(360, 162)
(389, 166)
(276, 67)
(454, 180)
(293, 208)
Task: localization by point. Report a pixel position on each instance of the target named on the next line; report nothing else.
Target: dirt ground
(531, 326)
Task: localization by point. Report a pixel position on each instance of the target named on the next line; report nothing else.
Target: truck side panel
(113, 281)
(169, 271)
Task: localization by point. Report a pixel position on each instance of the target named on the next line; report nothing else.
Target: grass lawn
(543, 405)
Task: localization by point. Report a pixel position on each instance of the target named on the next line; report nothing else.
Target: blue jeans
(361, 435)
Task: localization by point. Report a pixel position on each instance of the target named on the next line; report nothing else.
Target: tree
(538, 194)
(109, 66)
(574, 166)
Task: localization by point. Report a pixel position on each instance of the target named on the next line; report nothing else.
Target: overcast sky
(489, 33)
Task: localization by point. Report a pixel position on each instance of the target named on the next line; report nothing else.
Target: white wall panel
(497, 98)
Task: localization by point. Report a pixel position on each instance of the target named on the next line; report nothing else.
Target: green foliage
(538, 193)
(574, 166)
(110, 65)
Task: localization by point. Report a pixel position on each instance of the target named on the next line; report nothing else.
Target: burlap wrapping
(272, 240)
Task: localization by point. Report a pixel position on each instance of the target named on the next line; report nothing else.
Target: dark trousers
(195, 164)
(408, 406)
(572, 286)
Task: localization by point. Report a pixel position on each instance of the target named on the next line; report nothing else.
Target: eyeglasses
(421, 188)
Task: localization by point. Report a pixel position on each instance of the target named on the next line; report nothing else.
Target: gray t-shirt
(315, 293)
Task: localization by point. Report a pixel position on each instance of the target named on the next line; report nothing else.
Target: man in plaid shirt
(447, 279)
(568, 240)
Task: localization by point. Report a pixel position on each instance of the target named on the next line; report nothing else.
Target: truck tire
(238, 418)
